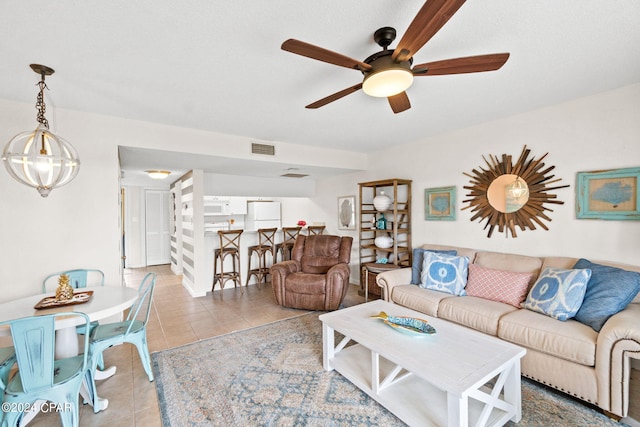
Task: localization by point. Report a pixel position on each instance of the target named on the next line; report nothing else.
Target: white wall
(79, 225)
(594, 133)
(236, 185)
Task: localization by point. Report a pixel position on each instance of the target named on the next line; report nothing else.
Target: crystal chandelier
(40, 158)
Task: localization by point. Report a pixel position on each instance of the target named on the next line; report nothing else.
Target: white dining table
(106, 301)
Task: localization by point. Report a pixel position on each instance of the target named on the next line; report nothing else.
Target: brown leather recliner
(317, 276)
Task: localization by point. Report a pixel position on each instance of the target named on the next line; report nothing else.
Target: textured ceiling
(217, 65)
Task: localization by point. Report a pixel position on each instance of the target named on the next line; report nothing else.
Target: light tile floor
(176, 319)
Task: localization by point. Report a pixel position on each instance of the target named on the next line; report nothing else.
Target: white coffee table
(438, 379)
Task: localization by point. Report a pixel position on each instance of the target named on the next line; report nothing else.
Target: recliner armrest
(279, 273)
(285, 267)
(339, 269)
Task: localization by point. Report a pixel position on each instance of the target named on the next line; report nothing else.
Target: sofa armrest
(388, 279)
(618, 340)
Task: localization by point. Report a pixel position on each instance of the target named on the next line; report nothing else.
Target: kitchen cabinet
(238, 205)
(380, 239)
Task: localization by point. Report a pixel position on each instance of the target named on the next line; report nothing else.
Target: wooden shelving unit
(398, 217)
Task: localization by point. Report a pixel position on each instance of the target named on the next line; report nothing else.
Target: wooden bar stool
(315, 230)
(229, 245)
(289, 236)
(266, 244)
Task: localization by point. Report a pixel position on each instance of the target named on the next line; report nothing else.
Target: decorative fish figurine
(412, 325)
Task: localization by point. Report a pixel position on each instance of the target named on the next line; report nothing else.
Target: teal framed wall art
(610, 194)
(440, 204)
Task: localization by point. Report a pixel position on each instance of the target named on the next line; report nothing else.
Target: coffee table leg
(375, 371)
(457, 410)
(328, 349)
(513, 390)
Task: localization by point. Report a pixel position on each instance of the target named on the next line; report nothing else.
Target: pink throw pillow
(498, 285)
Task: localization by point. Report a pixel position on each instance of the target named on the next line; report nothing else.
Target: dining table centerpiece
(64, 291)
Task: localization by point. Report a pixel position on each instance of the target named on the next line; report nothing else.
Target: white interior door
(157, 226)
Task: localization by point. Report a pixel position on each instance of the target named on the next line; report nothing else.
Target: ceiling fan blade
(399, 102)
(314, 52)
(433, 15)
(335, 96)
(469, 64)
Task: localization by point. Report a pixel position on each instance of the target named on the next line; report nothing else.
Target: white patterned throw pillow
(444, 273)
(558, 293)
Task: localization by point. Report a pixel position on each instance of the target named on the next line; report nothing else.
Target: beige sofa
(568, 356)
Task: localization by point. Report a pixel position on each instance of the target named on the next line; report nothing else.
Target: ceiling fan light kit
(387, 78)
(388, 73)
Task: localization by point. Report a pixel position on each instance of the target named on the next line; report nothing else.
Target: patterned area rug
(272, 376)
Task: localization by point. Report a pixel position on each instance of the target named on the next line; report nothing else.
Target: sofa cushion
(469, 253)
(418, 258)
(510, 262)
(498, 285)
(480, 314)
(422, 300)
(558, 292)
(444, 273)
(609, 291)
(567, 262)
(570, 340)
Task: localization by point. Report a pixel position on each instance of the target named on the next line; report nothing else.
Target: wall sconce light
(40, 158)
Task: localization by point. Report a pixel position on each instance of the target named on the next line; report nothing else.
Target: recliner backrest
(318, 253)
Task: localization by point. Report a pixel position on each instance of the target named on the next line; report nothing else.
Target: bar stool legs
(229, 245)
(266, 244)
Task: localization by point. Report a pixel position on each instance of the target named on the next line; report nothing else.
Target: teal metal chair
(132, 330)
(39, 376)
(78, 278)
(7, 360)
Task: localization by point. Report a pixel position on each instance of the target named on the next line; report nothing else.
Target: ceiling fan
(389, 73)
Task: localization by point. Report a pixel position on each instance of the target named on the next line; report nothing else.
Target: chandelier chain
(40, 105)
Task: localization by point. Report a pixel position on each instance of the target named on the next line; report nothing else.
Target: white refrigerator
(262, 215)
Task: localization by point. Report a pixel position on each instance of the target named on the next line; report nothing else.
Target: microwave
(217, 206)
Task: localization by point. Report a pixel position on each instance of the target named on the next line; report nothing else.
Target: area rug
(272, 375)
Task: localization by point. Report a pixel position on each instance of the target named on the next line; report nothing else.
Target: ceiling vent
(294, 175)
(264, 149)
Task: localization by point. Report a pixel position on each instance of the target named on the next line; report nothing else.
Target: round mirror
(508, 193)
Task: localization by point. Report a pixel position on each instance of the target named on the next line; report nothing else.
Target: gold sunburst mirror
(509, 195)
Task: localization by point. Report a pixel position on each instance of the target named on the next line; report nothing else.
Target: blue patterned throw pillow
(609, 291)
(444, 273)
(418, 259)
(558, 293)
